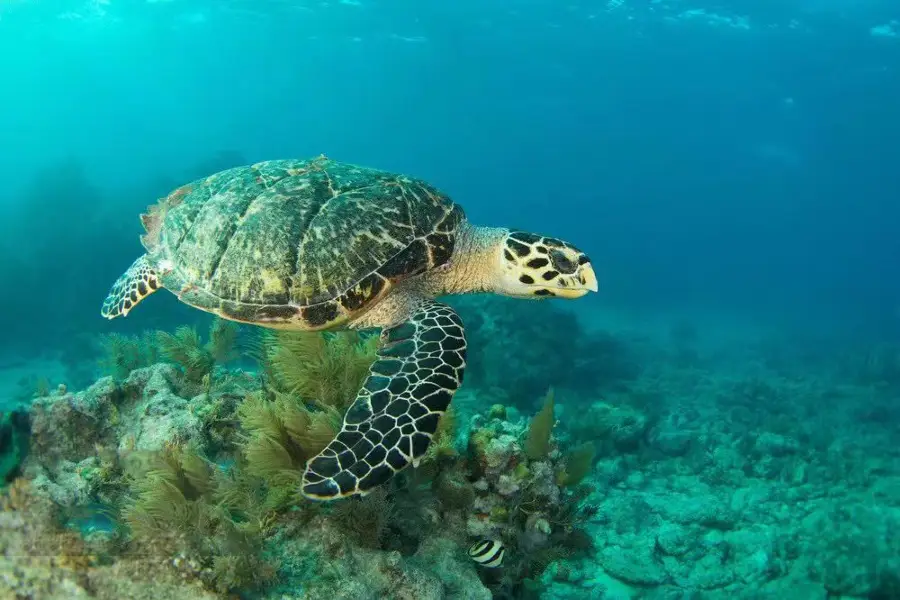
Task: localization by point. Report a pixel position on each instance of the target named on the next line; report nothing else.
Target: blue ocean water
(736, 158)
(730, 167)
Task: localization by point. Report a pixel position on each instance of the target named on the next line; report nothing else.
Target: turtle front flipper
(135, 284)
(420, 365)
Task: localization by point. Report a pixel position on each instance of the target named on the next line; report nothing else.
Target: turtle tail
(135, 284)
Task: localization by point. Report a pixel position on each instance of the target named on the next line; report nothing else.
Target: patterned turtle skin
(299, 244)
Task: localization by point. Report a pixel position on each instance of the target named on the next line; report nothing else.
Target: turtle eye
(561, 262)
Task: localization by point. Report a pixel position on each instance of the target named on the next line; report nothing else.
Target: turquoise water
(730, 169)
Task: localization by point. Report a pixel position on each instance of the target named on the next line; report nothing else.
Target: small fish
(487, 553)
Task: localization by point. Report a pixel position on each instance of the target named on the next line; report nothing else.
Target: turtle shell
(298, 243)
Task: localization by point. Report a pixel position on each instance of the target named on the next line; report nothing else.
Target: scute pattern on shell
(315, 240)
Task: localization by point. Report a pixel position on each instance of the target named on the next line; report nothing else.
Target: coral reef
(523, 496)
(697, 476)
(325, 565)
(41, 561)
(737, 486)
(203, 479)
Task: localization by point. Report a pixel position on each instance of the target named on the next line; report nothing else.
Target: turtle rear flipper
(135, 284)
(420, 365)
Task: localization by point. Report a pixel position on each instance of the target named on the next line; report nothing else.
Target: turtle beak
(579, 284)
(588, 278)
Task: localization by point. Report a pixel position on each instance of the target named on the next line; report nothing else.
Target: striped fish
(487, 553)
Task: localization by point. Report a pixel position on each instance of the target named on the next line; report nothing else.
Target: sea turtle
(318, 244)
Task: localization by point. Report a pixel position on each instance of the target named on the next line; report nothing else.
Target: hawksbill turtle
(319, 244)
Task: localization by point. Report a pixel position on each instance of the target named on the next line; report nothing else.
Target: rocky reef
(701, 474)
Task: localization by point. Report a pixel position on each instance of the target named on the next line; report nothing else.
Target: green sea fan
(537, 442)
(578, 465)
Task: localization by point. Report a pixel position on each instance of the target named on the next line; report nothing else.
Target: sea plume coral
(168, 491)
(184, 506)
(279, 435)
(196, 358)
(121, 354)
(324, 368)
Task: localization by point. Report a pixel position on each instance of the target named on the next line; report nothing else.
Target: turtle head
(534, 266)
